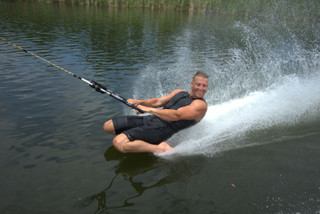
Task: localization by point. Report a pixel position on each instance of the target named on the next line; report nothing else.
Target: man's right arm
(155, 102)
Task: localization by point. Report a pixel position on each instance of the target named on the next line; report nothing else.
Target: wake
(242, 122)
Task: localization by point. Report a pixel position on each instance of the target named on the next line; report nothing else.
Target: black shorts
(147, 128)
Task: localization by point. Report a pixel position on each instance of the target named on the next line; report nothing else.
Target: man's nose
(202, 87)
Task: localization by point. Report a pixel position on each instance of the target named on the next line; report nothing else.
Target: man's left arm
(195, 111)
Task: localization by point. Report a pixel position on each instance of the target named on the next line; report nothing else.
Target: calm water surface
(256, 151)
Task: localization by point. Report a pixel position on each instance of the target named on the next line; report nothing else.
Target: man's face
(199, 87)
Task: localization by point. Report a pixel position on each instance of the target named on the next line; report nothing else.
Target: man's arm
(195, 111)
(155, 102)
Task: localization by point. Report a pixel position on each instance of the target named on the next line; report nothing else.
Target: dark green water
(256, 151)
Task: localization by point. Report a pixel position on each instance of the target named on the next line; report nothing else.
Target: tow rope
(97, 86)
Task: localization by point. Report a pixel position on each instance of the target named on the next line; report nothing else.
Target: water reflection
(133, 168)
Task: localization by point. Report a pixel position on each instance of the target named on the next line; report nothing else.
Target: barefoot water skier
(135, 133)
(147, 133)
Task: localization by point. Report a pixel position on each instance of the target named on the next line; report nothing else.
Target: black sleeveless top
(180, 100)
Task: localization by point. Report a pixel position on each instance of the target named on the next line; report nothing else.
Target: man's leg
(108, 127)
(124, 145)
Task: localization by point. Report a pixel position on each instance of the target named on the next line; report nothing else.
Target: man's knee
(120, 142)
(108, 127)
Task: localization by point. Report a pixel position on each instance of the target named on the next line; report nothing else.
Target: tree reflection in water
(129, 166)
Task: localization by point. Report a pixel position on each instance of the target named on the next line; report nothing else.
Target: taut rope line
(97, 86)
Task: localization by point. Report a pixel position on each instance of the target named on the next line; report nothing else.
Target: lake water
(256, 151)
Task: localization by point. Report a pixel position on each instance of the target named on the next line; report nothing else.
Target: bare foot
(163, 147)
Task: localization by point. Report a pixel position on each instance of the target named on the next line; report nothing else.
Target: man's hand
(134, 102)
(146, 109)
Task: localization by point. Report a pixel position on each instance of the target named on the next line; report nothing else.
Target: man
(147, 133)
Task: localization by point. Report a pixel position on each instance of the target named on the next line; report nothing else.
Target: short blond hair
(201, 74)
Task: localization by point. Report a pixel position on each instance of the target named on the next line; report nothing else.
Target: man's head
(199, 85)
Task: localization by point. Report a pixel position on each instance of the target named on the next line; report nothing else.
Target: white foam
(287, 104)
